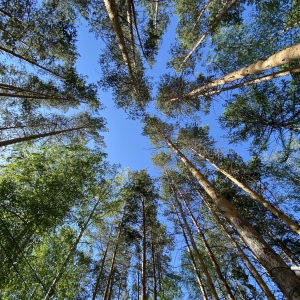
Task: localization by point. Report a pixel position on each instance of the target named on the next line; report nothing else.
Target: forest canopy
(222, 114)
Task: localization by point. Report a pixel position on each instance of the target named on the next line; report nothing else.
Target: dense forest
(221, 219)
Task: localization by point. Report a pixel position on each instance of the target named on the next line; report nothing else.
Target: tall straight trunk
(202, 11)
(213, 25)
(178, 205)
(144, 252)
(282, 275)
(253, 194)
(208, 249)
(277, 74)
(239, 289)
(198, 275)
(62, 269)
(38, 136)
(282, 57)
(194, 264)
(120, 283)
(113, 262)
(251, 267)
(156, 14)
(19, 89)
(112, 11)
(153, 252)
(129, 21)
(8, 95)
(136, 27)
(100, 273)
(31, 61)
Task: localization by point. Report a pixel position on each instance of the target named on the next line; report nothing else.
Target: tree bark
(209, 30)
(129, 21)
(208, 249)
(283, 57)
(251, 267)
(29, 61)
(253, 194)
(51, 290)
(154, 268)
(112, 11)
(113, 262)
(277, 74)
(198, 275)
(100, 271)
(144, 251)
(189, 232)
(37, 136)
(282, 275)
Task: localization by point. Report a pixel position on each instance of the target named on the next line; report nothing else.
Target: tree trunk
(198, 275)
(153, 268)
(197, 253)
(29, 61)
(113, 262)
(100, 271)
(252, 269)
(144, 251)
(283, 57)
(51, 290)
(277, 74)
(37, 136)
(112, 11)
(208, 250)
(129, 21)
(284, 277)
(200, 15)
(210, 29)
(194, 264)
(253, 194)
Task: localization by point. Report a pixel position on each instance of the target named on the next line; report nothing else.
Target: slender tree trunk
(198, 275)
(283, 57)
(284, 277)
(202, 11)
(277, 74)
(194, 264)
(208, 249)
(113, 262)
(144, 251)
(156, 14)
(188, 229)
(136, 27)
(37, 136)
(62, 269)
(276, 212)
(33, 97)
(251, 267)
(100, 273)
(34, 63)
(129, 21)
(112, 11)
(213, 25)
(153, 268)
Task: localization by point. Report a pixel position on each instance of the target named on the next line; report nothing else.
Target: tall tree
(160, 133)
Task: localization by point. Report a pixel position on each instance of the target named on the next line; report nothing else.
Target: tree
(160, 133)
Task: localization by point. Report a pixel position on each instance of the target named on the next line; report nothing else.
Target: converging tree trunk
(283, 57)
(62, 269)
(260, 199)
(213, 25)
(286, 279)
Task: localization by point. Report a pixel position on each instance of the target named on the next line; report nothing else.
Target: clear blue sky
(125, 144)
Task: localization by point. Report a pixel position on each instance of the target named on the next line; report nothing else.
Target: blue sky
(125, 143)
